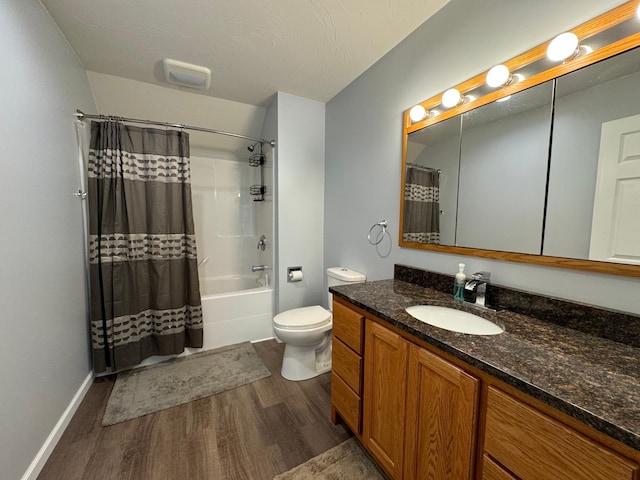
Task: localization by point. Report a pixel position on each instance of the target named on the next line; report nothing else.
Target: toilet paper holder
(294, 274)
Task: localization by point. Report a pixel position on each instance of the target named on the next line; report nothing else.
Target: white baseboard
(52, 440)
(263, 339)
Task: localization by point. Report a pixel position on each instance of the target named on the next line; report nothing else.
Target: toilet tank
(342, 276)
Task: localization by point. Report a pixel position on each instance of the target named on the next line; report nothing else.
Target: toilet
(306, 332)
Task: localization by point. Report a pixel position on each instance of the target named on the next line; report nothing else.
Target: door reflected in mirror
(588, 103)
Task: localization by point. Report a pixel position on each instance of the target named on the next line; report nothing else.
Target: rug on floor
(157, 387)
(347, 461)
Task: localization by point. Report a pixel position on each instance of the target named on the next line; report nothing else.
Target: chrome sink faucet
(475, 288)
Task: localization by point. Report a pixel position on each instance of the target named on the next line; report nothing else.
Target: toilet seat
(303, 318)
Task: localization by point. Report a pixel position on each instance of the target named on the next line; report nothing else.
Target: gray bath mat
(347, 461)
(157, 387)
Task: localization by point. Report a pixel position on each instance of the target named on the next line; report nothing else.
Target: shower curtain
(421, 205)
(145, 297)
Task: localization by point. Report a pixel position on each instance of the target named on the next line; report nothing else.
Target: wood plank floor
(252, 432)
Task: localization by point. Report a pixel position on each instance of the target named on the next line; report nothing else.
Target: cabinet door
(385, 370)
(442, 408)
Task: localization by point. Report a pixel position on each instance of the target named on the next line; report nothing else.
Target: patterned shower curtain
(145, 296)
(421, 205)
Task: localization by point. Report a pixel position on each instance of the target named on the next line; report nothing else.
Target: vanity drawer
(492, 471)
(347, 403)
(347, 326)
(535, 446)
(347, 364)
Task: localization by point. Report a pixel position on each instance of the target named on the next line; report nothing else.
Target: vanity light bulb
(563, 47)
(498, 76)
(417, 113)
(451, 98)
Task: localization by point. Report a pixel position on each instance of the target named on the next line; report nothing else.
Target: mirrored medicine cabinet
(543, 171)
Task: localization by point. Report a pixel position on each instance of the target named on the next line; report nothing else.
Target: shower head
(251, 148)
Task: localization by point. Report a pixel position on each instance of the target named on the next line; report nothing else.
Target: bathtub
(220, 285)
(235, 309)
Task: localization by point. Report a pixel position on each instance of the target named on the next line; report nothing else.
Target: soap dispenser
(458, 285)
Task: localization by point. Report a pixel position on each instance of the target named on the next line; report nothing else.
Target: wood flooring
(253, 432)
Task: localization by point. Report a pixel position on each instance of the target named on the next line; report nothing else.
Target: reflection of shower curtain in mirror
(421, 205)
(142, 251)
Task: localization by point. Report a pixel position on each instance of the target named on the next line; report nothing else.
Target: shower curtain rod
(81, 116)
(425, 168)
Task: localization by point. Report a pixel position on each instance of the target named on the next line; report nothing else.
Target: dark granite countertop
(591, 378)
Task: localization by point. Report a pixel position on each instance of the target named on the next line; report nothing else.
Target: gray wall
(44, 355)
(363, 139)
(299, 172)
(503, 175)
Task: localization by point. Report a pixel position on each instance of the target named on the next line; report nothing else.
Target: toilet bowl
(306, 332)
(303, 331)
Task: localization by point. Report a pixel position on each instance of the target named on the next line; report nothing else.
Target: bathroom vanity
(546, 399)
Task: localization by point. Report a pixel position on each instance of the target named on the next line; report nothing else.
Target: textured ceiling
(310, 48)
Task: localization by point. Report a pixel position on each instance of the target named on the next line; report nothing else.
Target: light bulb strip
(592, 27)
(549, 74)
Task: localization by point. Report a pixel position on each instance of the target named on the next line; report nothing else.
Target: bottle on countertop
(458, 285)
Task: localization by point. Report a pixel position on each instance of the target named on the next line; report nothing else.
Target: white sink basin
(454, 320)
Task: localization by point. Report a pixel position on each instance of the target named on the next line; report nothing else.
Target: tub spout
(259, 268)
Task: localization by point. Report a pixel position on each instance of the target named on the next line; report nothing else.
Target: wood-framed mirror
(544, 170)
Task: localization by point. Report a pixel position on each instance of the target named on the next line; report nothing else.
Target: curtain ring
(380, 236)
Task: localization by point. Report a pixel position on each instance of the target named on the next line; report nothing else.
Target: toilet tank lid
(345, 274)
(305, 317)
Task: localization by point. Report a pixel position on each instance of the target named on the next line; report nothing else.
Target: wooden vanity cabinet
(420, 411)
(534, 446)
(385, 383)
(492, 471)
(415, 412)
(418, 414)
(346, 374)
(441, 419)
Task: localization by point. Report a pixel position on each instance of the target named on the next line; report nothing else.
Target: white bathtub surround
(225, 216)
(237, 305)
(238, 315)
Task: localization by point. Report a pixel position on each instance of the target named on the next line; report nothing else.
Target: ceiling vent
(186, 74)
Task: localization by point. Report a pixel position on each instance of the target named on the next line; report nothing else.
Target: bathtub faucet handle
(262, 243)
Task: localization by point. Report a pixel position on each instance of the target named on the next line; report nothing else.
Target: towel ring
(383, 230)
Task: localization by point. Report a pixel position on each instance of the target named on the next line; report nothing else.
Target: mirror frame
(599, 24)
